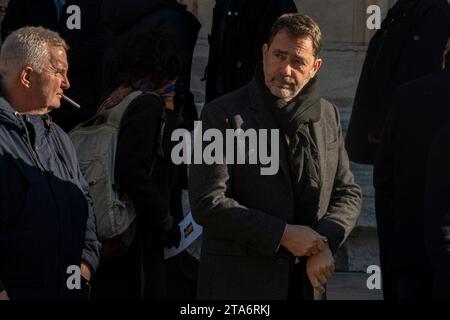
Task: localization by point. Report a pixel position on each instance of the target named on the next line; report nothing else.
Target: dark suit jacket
(239, 30)
(420, 110)
(437, 213)
(20, 13)
(127, 17)
(413, 30)
(244, 213)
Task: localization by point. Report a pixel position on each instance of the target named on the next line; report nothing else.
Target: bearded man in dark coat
(272, 235)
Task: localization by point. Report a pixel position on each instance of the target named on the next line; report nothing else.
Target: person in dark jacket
(87, 46)
(273, 236)
(437, 211)
(47, 224)
(239, 30)
(419, 111)
(408, 46)
(19, 13)
(148, 61)
(124, 18)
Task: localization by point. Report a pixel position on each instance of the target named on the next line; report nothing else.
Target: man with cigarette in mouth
(47, 225)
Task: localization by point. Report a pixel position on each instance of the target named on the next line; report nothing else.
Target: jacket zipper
(63, 153)
(29, 146)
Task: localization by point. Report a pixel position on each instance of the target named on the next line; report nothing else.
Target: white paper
(190, 231)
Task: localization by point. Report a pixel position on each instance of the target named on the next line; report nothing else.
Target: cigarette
(76, 105)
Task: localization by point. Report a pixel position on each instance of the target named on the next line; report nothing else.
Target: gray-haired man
(47, 226)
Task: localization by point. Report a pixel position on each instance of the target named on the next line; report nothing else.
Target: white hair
(27, 46)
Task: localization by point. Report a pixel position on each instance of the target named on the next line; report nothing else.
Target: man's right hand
(4, 295)
(302, 240)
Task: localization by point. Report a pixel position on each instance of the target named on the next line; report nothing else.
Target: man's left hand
(320, 268)
(85, 270)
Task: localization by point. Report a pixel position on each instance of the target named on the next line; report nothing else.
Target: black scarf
(294, 119)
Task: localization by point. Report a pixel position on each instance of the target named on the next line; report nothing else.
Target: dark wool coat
(244, 213)
(239, 30)
(409, 45)
(419, 110)
(437, 213)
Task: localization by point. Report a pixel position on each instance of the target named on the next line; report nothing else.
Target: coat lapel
(319, 136)
(265, 121)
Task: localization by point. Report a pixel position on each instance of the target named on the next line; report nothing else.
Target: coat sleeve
(273, 10)
(213, 206)
(91, 247)
(384, 176)
(2, 286)
(437, 213)
(136, 148)
(345, 202)
(91, 250)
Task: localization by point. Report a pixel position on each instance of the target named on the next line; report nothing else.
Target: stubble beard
(289, 93)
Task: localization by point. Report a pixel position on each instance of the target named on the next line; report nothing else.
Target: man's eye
(299, 64)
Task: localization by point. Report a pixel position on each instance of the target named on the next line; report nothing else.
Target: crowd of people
(95, 188)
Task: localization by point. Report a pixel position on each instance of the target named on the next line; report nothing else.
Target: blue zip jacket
(47, 223)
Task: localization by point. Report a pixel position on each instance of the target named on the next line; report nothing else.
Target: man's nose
(65, 84)
(286, 68)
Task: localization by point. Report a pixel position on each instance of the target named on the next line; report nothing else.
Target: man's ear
(265, 50)
(446, 60)
(316, 67)
(25, 76)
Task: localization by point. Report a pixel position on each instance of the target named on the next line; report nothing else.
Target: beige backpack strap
(115, 114)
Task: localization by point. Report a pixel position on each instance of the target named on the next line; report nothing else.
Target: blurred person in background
(148, 62)
(420, 109)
